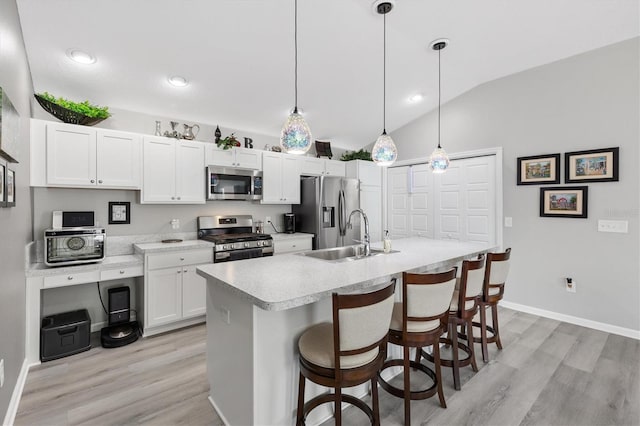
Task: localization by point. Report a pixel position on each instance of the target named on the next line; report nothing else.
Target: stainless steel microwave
(72, 246)
(228, 183)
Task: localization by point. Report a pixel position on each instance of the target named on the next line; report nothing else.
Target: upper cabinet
(321, 166)
(84, 157)
(280, 178)
(235, 157)
(370, 176)
(174, 171)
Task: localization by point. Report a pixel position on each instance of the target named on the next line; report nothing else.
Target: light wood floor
(549, 373)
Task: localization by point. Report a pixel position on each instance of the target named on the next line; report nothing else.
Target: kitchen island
(257, 309)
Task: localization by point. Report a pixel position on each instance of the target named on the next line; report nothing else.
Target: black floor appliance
(121, 330)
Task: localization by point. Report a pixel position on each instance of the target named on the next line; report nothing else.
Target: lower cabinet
(173, 290)
(291, 243)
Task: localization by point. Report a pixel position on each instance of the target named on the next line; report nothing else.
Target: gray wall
(15, 222)
(584, 102)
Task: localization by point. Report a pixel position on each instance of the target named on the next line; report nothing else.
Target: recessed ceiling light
(178, 81)
(81, 57)
(414, 99)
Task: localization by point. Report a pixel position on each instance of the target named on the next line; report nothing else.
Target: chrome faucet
(367, 239)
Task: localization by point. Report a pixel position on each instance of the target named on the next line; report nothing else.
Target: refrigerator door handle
(342, 215)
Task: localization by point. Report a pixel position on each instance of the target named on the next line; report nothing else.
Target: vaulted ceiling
(238, 55)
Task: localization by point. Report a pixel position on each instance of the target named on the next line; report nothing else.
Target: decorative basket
(66, 115)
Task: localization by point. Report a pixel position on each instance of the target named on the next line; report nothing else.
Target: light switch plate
(508, 222)
(618, 226)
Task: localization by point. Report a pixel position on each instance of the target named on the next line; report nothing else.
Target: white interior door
(421, 201)
(398, 202)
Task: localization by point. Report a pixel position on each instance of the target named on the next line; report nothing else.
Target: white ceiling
(238, 55)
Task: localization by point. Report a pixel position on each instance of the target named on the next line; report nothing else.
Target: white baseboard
(12, 410)
(613, 329)
(218, 412)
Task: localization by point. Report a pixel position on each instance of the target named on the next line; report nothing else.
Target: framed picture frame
(3, 193)
(9, 128)
(539, 169)
(119, 212)
(564, 201)
(10, 188)
(596, 165)
(323, 149)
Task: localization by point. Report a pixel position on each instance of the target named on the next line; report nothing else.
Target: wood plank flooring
(549, 373)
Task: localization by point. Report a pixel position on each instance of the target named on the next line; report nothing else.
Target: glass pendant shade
(384, 151)
(296, 135)
(439, 160)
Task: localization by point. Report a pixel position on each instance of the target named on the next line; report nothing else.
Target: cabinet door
(118, 160)
(272, 178)
(159, 170)
(421, 201)
(248, 158)
(220, 157)
(164, 296)
(312, 166)
(291, 180)
(371, 204)
(71, 155)
(334, 168)
(398, 201)
(194, 292)
(190, 173)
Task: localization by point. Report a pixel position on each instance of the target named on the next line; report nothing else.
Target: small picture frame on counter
(10, 188)
(119, 212)
(3, 193)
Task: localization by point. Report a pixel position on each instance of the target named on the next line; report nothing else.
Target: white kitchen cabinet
(291, 243)
(322, 167)
(235, 157)
(280, 178)
(173, 290)
(82, 157)
(370, 176)
(174, 172)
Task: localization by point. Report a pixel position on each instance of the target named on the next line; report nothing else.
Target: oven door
(70, 247)
(228, 256)
(226, 183)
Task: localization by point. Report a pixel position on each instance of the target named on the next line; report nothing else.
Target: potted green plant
(361, 154)
(72, 112)
(228, 142)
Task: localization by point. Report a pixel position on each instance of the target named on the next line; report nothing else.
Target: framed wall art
(323, 149)
(596, 165)
(10, 188)
(119, 212)
(564, 201)
(9, 128)
(3, 195)
(539, 169)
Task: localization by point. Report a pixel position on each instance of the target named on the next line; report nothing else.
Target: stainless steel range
(234, 238)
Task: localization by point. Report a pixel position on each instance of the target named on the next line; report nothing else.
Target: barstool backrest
(496, 273)
(471, 282)
(361, 322)
(425, 298)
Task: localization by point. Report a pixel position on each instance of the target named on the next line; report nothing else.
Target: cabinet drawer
(292, 245)
(114, 274)
(71, 279)
(179, 258)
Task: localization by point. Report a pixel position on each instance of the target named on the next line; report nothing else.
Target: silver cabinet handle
(178, 198)
(93, 181)
(184, 270)
(99, 180)
(122, 272)
(70, 277)
(179, 271)
(182, 258)
(173, 198)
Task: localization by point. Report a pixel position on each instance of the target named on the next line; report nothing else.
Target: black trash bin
(65, 334)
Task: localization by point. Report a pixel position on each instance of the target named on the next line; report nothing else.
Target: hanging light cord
(295, 42)
(384, 74)
(439, 95)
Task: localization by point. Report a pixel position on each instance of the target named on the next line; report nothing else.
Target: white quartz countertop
(290, 280)
(158, 247)
(109, 262)
(280, 236)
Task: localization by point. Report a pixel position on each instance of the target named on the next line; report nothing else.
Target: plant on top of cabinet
(228, 142)
(72, 112)
(362, 154)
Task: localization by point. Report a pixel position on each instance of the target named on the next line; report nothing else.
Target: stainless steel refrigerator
(325, 205)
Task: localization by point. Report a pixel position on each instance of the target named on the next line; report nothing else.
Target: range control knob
(246, 244)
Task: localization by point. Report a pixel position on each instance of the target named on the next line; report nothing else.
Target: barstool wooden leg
(407, 387)
(453, 333)
(494, 320)
(483, 333)
(374, 398)
(436, 365)
(474, 366)
(300, 414)
(338, 407)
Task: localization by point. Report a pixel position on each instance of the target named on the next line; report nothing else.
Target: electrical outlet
(225, 315)
(508, 222)
(1, 373)
(570, 284)
(267, 219)
(617, 226)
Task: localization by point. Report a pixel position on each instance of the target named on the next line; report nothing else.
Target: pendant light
(295, 137)
(439, 160)
(384, 151)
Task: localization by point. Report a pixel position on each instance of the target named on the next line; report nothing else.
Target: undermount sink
(343, 254)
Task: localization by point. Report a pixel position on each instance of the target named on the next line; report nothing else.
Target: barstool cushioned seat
(316, 346)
